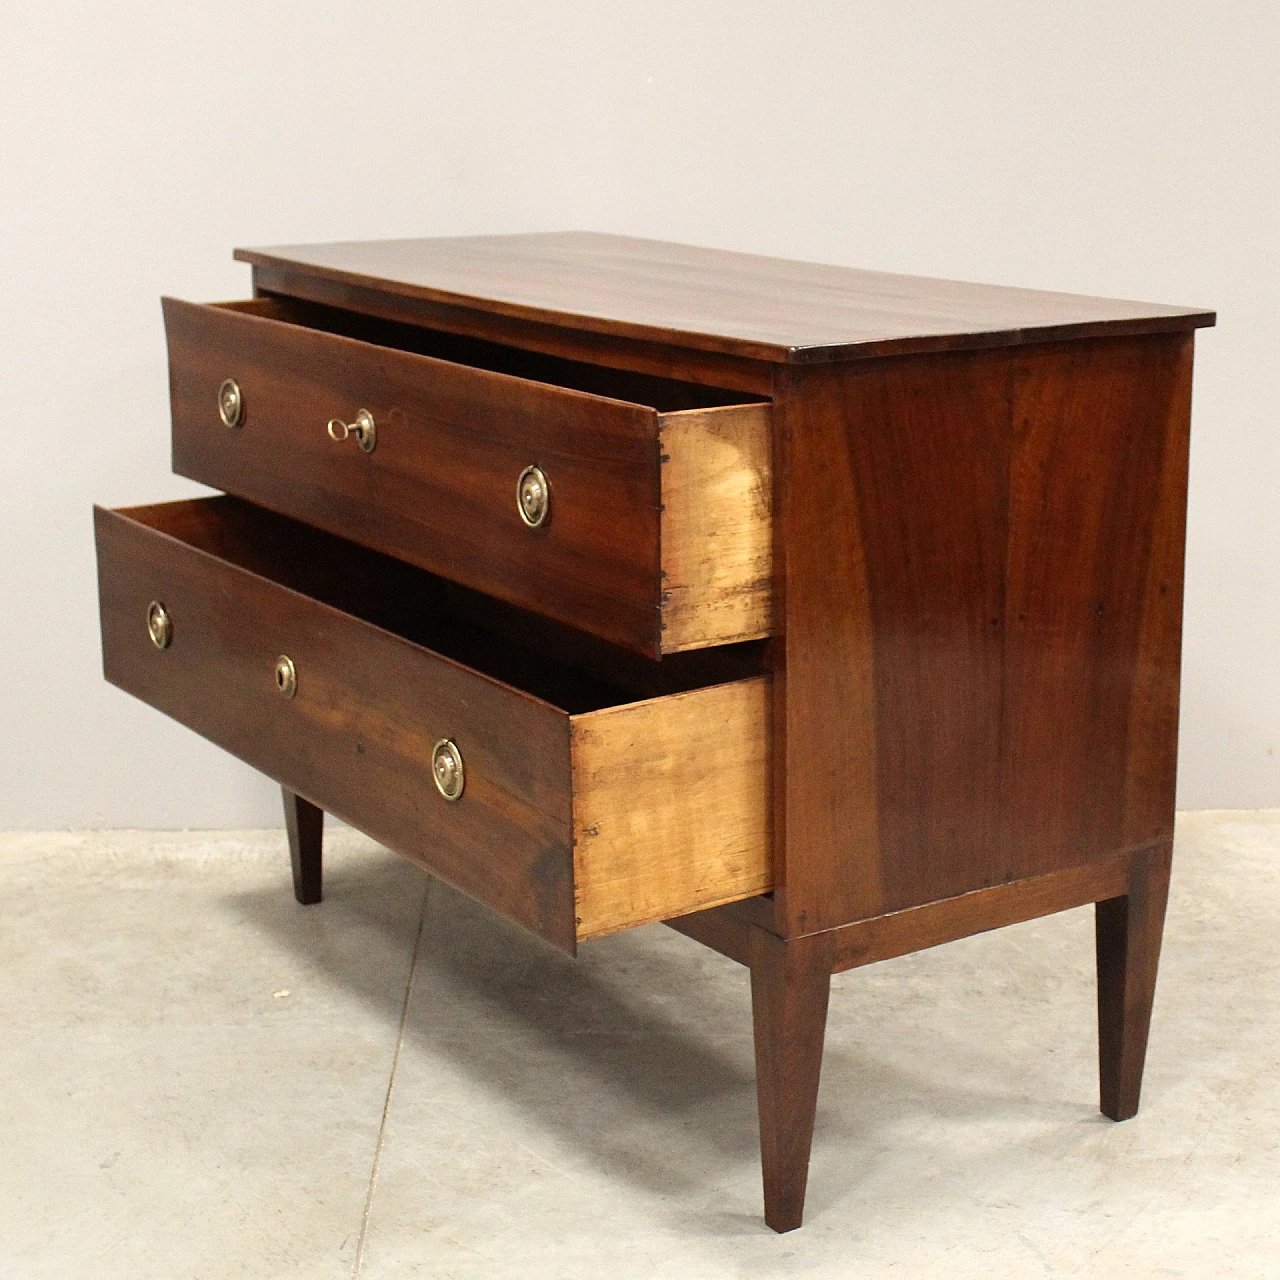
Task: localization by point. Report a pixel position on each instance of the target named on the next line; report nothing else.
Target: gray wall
(1114, 148)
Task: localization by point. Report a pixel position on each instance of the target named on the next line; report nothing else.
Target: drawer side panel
(717, 530)
(671, 805)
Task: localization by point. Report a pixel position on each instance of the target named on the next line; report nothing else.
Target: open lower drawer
(599, 790)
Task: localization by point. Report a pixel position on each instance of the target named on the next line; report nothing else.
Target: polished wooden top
(740, 304)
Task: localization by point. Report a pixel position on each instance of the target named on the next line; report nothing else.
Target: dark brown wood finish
(548, 738)
(978, 519)
(728, 929)
(439, 490)
(1130, 889)
(1097, 525)
(981, 561)
(370, 705)
(721, 929)
(662, 359)
(741, 305)
(1129, 930)
(304, 824)
(790, 986)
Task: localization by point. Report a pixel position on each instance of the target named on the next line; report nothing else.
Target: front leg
(790, 986)
(305, 824)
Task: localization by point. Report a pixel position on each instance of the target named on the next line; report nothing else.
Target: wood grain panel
(1094, 609)
(895, 486)
(671, 805)
(706, 300)
(825, 806)
(981, 556)
(1152, 746)
(717, 530)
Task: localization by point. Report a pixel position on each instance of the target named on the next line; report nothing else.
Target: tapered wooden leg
(1129, 930)
(305, 824)
(790, 984)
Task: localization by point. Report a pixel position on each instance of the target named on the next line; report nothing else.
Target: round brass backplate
(447, 770)
(286, 675)
(159, 625)
(230, 403)
(533, 496)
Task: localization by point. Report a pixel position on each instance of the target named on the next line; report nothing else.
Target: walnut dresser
(823, 614)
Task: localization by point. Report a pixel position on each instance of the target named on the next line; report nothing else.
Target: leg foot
(305, 824)
(1128, 931)
(790, 984)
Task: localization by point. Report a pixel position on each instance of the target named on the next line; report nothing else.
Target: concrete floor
(199, 1078)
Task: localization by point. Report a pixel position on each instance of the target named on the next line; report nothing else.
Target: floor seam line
(391, 1084)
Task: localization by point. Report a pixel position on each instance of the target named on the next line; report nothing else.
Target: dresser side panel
(1100, 438)
(979, 610)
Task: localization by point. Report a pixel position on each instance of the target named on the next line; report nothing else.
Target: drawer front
(439, 489)
(357, 736)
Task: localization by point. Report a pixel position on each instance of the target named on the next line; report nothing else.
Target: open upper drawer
(636, 508)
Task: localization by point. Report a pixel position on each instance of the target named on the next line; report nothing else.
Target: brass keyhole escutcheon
(447, 769)
(230, 403)
(159, 625)
(533, 496)
(286, 675)
(363, 429)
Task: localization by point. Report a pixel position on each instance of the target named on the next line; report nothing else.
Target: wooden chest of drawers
(823, 614)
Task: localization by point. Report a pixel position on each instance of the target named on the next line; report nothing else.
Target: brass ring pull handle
(362, 428)
(447, 769)
(159, 625)
(286, 675)
(533, 496)
(230, 402)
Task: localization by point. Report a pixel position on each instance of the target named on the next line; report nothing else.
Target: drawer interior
(666, 395)
(571, 670)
